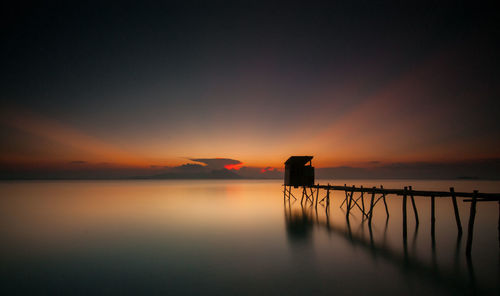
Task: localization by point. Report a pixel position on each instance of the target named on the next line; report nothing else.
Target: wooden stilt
(455, 208)
(303, 193)
(328, 196)
(414, 207)
(290, 194)
(352, 197)
(363, 201)
(433, 219)
(289, 207)
(385, 202)
(349, 201)
(284, 207)
(327, 218)
(345, 199)
(371, 207)
(405, 233)
(317, 195)
(348, 206)
(470, 230)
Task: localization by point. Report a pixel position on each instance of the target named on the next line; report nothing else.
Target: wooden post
(303, 192)
(414, 207)
(405, 233)
(284, 206)
(290, 194)
(455, 207)
(328, 196)
(349, 201)
(327, 218)
(363, 201)
(433, 218)
(371, 207)
(351, 205)
(307, 195)
(385, 202)
(345, 199)
(470, 231)
(317, 195)
(470, 234)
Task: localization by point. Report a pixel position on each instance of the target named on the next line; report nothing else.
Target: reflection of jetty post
(299, 225)
(299, 172)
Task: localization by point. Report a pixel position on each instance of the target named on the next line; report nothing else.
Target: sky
(133, 88)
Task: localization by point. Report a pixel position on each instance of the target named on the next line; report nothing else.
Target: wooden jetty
(299, 173)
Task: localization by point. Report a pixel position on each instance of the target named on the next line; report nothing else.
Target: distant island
(230, 169)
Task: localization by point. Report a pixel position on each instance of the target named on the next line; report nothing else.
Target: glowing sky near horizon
(157, 86)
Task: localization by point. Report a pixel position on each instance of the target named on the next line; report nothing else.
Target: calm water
(234, 237)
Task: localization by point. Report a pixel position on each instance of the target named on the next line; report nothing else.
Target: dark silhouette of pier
(299, 173)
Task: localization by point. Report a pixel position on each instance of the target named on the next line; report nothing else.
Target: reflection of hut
(299, 226)
(299, 171)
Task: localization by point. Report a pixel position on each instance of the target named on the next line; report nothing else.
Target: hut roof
(298, 160)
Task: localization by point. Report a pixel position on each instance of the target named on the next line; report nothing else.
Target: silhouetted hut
(299, 171)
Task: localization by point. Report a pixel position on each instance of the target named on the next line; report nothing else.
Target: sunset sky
(143, 88)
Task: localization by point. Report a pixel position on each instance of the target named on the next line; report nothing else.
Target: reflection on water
(230, 237)
(300, 224)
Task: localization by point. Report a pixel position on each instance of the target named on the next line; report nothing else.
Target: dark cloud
(78, 162)
(213, 169)
(217, 163)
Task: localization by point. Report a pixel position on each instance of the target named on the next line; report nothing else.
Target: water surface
(235, 237)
